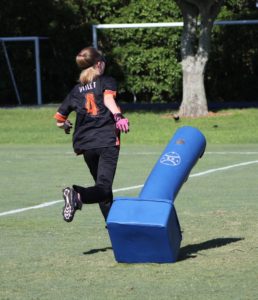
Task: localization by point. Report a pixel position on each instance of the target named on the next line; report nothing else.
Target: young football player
(96, 133)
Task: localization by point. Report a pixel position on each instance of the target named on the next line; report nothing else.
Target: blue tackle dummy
(146, 228)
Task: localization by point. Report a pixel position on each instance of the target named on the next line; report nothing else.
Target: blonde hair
(85, 60)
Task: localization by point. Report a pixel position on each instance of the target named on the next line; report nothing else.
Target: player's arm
(63, 112)
(122, 123)
(62, 122)
(110, 102)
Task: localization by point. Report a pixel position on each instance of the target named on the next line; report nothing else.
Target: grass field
(42, 257)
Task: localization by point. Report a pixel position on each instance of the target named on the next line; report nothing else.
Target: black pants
(102, 163)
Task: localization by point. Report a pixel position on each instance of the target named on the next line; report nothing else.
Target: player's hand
(122, 123)
(67, 126)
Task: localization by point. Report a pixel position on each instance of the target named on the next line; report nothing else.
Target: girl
(96, 134)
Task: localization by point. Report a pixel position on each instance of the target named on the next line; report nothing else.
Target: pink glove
(122, 123)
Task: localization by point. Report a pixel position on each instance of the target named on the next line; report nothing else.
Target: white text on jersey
(87, 87)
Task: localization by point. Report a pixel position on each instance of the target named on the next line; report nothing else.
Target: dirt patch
(218, 114)
(209, 115)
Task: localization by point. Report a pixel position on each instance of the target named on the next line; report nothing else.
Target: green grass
(37, 126)
(43, 257)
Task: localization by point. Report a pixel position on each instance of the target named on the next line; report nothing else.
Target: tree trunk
(198, 16)
(194, 101)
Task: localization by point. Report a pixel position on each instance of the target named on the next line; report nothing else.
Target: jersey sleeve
(65, 108)
(109, 86)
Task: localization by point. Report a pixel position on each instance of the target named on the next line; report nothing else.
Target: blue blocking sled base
(146, 229)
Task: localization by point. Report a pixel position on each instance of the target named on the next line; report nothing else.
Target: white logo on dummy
(171, 159)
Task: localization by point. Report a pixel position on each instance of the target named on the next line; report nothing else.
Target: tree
(198, 16)
(145, 59)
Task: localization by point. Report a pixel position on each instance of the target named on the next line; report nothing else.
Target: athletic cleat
(72, 203)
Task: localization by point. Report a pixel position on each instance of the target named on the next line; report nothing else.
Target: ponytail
(88, 75)
(86, 60)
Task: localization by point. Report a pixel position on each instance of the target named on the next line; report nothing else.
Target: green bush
(148, 57)
(146, 62)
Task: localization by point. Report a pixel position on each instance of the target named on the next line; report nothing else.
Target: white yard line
(19, 210)
(225, 168)
(45, 204)
(206, 152)
(232, 152)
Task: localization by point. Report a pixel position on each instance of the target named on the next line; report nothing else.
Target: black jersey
(95, 125)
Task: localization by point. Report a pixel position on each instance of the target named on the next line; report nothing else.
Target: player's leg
(102, 164)
(106, 173)
(71, 197)
(106, 167)
(91, 158)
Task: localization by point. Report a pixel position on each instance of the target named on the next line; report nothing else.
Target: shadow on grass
(190, 251)
(186, 252)
(93, 251)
